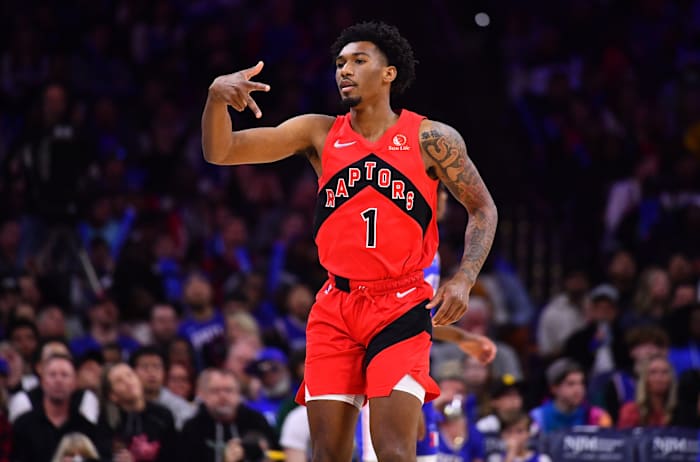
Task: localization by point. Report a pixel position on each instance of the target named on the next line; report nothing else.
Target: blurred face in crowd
(89, 374)
(659, 285)
(517, 435)
(641, 353)
(570, 393)
(126, 389)
(163, 323)
(603, 310)
(451, 388)
(622, 270)
(659, 376)
(478, 317)
(58, 379)
(235, 233)
(51, 322)
(55, 104)
(239, 356)
(683, 295)
(680, 269)
(179, 381)
(275, 378)
(25, 342)
(112, 354)
(150, 370)
(220, 395)
(104, 314)
(508, 404)
(51, 349)
(25, 311)
(241, 327)
(299, 301)
(475, 374)
(576, 286)
(198, 293)
(179, 352)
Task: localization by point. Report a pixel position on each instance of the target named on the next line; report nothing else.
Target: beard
(350, 102)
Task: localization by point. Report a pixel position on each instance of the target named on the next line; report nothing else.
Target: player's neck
(372, 121)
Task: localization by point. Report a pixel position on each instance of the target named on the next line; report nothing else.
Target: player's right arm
(223, 146)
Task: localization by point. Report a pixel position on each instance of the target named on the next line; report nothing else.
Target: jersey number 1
(370, 217)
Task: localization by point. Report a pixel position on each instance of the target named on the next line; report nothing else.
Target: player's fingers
(253, 71)
(254, 107)
(436, 299)
(255, 86)
(442, 316)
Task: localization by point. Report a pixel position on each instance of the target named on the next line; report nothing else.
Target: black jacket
(35, 438)
(152, 429)
(202, 435)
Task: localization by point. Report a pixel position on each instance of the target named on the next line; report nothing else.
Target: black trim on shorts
(413, 322)
(342, 283)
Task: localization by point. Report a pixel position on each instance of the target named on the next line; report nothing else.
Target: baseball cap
(265, 360)
(504, 384)
(450, 370)
(560, 368)
(604, 291)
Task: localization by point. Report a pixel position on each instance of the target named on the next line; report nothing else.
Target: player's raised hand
(235, 89)
(453, 298)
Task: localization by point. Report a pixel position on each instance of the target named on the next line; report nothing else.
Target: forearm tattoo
(457, 172)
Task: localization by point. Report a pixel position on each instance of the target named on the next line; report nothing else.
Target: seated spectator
(141, 429)
(75, 447)
(515, 434)
(458, 437)
(90, 371)
(567, 407)
(563, 315)
(240, 354)
(599, 347)
(103, 330)
(180, 381)
(613, 390)
(242, 326)
(292, 327)
(37, 433)
(51, 322)
(270, 367)
(506, 402)
(687, 413)
(222, 417)
(24, 336)
(656, 397)
(149, 366)
(203, 324)
(163, 324)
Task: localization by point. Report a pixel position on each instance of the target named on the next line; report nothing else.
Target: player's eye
(359, 61)
(339, 64)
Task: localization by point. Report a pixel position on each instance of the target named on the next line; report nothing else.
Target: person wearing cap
(270, 367)
(599, 347)
(506, 401)
(567, 407)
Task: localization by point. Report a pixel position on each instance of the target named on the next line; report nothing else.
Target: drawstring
(219, 445)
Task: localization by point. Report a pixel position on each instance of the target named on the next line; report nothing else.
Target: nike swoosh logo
(338, 144)
(403, 294)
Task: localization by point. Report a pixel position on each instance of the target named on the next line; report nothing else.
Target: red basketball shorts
(363, 337)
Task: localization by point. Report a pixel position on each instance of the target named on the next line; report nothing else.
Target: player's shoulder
(430, 128)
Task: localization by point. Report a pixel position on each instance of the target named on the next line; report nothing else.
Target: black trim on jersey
(421, 211)
(413, 322)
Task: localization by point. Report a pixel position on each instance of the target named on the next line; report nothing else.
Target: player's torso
(375, 216)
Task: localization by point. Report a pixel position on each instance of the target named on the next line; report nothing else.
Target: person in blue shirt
(203, 325)
(270, 366)
(459, 440)
(103, 331)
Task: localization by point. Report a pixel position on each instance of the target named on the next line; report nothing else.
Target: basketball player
(368, 335)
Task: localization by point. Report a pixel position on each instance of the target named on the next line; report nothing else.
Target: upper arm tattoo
(454, 168)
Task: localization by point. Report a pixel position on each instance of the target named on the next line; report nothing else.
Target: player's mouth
(346, 86)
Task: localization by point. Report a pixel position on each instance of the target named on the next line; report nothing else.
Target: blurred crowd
(145, 294)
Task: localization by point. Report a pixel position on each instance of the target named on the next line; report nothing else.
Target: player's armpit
(445, 155)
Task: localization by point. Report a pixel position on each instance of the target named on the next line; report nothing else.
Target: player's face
(361, 73)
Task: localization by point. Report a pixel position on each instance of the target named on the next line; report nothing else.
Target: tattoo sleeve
(447, 156)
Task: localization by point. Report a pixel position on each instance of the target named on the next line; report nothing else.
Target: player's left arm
(445, 157)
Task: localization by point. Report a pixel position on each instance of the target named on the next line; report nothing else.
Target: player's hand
(453, 297)
(235, 89)
(479, 347)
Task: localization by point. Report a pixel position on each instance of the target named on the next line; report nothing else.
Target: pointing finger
(253, 71)
(256, 86)
(254, 107)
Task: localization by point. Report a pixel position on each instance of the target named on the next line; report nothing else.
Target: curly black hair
(387, 38)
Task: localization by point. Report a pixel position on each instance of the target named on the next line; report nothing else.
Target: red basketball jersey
(376, 209)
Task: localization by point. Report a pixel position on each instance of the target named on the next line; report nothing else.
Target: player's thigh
(332, 425)
(394, 421)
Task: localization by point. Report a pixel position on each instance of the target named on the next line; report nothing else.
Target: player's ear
(389, 74)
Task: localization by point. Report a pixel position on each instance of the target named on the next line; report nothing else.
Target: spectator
(51, 322)
(180, 381)
(270, 367)
(103, 329)
(656, 397)
(149, 365)
(563, 315)
(221, 417)
(653, 295)
(141, 429)
(292, 327)
(515, 434)
(506, 402)
(240, 354)
(204, 324)
(75, 447)
(90, 371)
(242, 326)
(567, 407)
(599, 346)
(163, 326)
(295, 437)
(24, 336)
(38, 432)
(458, 437)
